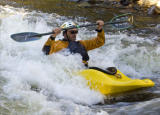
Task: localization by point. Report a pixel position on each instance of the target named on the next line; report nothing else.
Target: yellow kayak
(113, 84)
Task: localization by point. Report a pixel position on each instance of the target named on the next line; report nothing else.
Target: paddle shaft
(80, 26)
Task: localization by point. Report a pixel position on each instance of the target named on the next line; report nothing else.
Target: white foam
(24, 65)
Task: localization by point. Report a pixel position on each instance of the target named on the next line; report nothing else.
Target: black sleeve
(46, 50)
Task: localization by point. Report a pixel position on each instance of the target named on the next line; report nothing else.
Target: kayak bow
(113, 84)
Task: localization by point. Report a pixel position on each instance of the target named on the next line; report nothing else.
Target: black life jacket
(77, 47)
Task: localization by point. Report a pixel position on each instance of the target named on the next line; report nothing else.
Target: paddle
(123, 21)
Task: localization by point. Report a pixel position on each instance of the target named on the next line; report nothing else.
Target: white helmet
(68, 24)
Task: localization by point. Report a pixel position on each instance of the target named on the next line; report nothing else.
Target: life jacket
(77, 47)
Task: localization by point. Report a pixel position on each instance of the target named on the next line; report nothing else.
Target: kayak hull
(113, 84)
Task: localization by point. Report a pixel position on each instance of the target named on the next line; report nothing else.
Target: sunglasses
(74, 32)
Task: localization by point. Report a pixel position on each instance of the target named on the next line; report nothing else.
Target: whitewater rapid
(24, 68)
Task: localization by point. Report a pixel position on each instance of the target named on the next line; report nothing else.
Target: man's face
(72, 34)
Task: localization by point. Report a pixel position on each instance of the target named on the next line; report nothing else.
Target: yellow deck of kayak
(113, 84)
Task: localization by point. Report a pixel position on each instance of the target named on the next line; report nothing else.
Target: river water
(34, 84)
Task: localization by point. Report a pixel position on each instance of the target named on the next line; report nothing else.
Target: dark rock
(125, 2)
(151, 10)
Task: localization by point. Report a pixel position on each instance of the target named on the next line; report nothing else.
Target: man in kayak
(69, 41)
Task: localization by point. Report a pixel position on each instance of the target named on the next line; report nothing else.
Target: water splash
(24, 66)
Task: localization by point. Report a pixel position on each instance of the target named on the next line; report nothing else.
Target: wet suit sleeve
(47, 46)
(95, 42)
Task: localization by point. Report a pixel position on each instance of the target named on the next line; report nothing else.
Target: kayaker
(69, 41)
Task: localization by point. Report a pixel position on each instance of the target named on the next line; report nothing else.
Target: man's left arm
(94, 42)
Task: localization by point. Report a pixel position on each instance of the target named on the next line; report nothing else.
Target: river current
(34, 84)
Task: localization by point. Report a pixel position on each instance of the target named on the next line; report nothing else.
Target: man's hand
(100, 24)
(56, 31)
